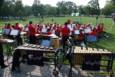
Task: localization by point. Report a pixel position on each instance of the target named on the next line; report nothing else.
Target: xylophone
(30, 50)
(32, 47)
(81, 54)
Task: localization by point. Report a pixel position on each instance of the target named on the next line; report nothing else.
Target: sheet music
(6, 31)
(76, 32)
(44, 30)
(87, 30)
(14, 32)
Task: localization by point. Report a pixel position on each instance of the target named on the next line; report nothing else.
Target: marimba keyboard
(80, 50)
(32, 47)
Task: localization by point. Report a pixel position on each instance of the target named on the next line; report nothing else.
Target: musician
(65, 31)
(8, 26)
(57, 31)
(7, 32)
(31, 33)
(18, 37)
(2, 57)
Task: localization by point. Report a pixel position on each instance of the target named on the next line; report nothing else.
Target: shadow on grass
(104, 42)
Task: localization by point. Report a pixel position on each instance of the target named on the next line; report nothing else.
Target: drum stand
(66, 54)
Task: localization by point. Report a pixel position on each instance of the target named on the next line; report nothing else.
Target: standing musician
(65, 31)
(31, 33)
(1, 56)
(18, 37)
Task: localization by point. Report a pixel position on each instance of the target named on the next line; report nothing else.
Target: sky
(53, 2)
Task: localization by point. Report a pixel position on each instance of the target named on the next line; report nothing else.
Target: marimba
(80, 53)
(29, 50)
(32, 47)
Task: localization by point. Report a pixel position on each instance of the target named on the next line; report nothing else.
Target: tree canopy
(63, 8)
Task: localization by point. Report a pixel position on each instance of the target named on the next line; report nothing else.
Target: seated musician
(100, 29)
(57, 31)
(49, 32)
(7, 28)
(18, 37)
(65, 31)
(2, 57)
(93, 36)
(80, 37)
(31, 33)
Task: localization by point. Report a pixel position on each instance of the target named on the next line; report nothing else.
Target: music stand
(87, 30)
(76, 32)
(14, 32)
(6, 31)
(44, 30)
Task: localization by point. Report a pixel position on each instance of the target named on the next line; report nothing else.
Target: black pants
(32, 39)
(64, 41)
(19, 40)
(1, 56)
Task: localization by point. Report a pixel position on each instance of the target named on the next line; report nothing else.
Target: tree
(19, 10)
(7, 9)
(109, 8)
(113, 1)
(61, 8)
(71, 7)
(50, 10)
(1, 2)
(94, 7)
(66, 8)
(27, 11)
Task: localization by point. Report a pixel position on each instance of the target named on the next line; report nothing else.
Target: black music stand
(14, 34)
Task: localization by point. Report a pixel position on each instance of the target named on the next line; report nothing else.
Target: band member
(57, 31)
(2, 57)
(65, 31)
(6, 30)
(31, 33)
(18, 37)
(8, 26)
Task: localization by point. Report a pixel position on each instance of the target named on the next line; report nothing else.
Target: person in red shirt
(94, 32)
(6, 30)
(8, 26)
(17, 27)
(57, 31)
(65, 31)
(81, 36)
(31, 33)
(18, 37)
